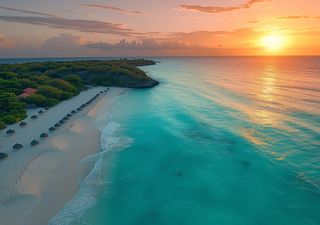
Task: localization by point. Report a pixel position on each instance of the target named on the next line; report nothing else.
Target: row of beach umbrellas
(34, 142)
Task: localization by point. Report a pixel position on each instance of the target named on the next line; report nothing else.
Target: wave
(94, 182)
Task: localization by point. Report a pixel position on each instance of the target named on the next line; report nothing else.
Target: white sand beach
(36, 181)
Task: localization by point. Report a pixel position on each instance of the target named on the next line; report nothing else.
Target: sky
(75, 28)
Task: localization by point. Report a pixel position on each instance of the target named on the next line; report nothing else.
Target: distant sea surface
(221, 140)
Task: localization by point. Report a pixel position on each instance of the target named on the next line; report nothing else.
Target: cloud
(145, 44)
(62, 45)
(112, 8)
(27, 11)
(219, 9)
(297, 17)
(90, 26)
(152, 47)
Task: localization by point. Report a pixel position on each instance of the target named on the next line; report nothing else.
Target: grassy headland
(44, 84)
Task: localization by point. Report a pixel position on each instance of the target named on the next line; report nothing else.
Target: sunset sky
(47, 28)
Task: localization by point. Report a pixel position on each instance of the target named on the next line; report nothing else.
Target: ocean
(221, 140)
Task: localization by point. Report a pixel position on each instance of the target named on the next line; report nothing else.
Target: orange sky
(44, 28)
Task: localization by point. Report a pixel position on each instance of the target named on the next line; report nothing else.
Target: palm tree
(17, 146)
(3, 155)
(22, 124)
(44, 135)
(11, 131)
(34, 142)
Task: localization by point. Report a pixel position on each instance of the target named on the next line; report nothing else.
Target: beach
(36, 181)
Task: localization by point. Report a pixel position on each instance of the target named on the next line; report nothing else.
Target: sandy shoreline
(36, 182)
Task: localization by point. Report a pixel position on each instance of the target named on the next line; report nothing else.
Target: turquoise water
(220, 141)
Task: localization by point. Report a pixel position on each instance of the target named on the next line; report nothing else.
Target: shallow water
(221, 141)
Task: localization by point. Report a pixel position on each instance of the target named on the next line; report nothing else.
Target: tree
(11, 109)
(8, 75)
(9, 119)
(25, 83)
(50, 92)
(62, 84)
(74, 80)
(9, 102)
(35, 99)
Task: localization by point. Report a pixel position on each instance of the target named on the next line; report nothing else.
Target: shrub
(66, 95)
(62, 84)
(8, 75)
(50, 92)
(40, 100)
(9, 119)
(35, 99)
(2, 125)
(74, 80)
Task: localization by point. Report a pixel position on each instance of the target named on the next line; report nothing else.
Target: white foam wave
(94, 182)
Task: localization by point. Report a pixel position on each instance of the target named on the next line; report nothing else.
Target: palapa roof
(27, 92)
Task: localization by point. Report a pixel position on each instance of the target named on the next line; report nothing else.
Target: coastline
(37, 181)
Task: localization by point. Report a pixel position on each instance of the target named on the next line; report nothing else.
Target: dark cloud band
(219, 9)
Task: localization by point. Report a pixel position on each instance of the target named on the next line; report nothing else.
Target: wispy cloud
(220, 9)
(297, 17)
(90, 26)
(112, 8)
(27, 11)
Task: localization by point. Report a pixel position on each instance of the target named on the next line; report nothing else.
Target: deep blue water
(222, 140)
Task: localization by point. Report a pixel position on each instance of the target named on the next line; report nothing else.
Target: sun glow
(273, 42)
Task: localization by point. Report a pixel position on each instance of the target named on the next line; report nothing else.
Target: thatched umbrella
(73, 111)
(34, 142)
(65, 118)
(46, 108)
(101, 92)
(3, 155)
(52, 129)
(40, 112)
(11, 131)
(79, 109)
(22, 124)
(44, 135)
(61, 122)
(17, 146)
(57, 125)
(69, 115)
(34, 117)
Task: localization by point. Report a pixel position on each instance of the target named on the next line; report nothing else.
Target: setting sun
(273, 42)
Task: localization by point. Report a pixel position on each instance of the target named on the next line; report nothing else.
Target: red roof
(27, 92)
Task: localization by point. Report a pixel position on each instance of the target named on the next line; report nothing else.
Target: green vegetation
(58, 81)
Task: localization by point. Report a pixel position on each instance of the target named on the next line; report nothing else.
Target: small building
(27, 92)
